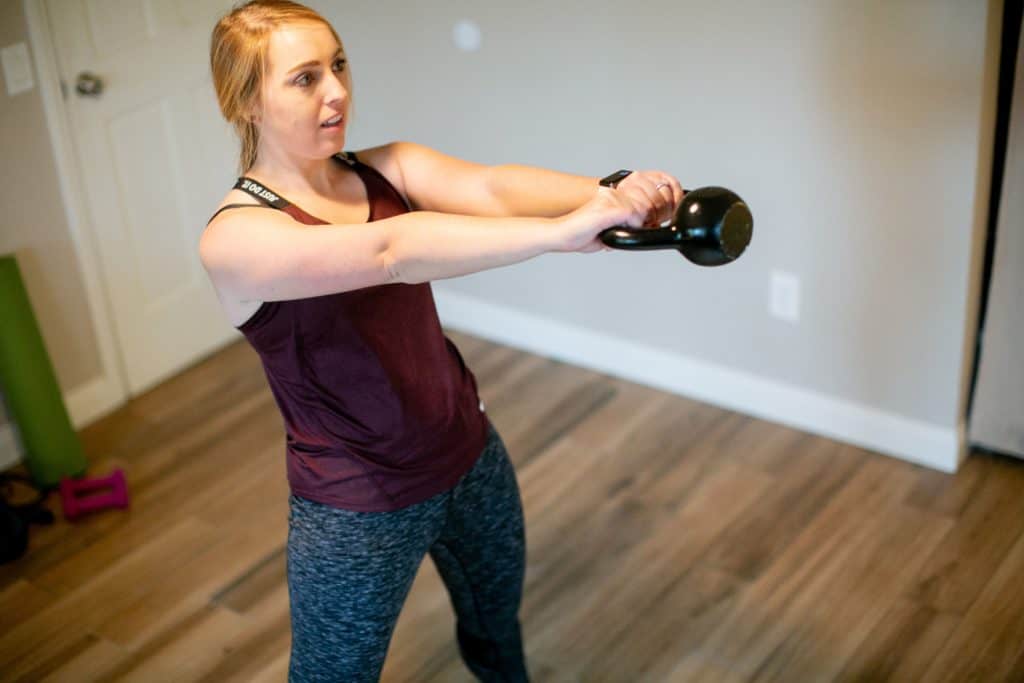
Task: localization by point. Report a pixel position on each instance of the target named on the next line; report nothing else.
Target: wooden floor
(667, 540)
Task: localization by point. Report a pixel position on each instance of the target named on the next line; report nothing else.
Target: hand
(655, 192)
(608, 208)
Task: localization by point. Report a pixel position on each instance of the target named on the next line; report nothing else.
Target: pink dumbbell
(76, 505)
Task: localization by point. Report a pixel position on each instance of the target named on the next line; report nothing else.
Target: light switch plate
(785, 296)
(17, 68)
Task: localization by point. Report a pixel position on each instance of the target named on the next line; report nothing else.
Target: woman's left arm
(434, 181)
(532, 191)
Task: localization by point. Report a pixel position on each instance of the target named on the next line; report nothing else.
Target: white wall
(858, 132)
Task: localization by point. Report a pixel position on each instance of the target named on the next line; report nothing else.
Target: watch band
(614, 179)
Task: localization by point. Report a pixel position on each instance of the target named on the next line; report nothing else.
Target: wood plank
(192, 587)
(182, 653)
(946, 494)
(990, 523)
(424, 637)
(52, 632)
(666, 626)
(161, 483)
(610, 499)
(615, 584)
(988, 643)
(264, 639)
(19, 601)
(817, 469)
(540, 421)
(274, 671)
(79, 647)
(814, 605)
(88, 664)
(903, 645)
(266, 575)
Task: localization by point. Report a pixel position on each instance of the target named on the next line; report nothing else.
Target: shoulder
(386, 160)
(233, 206)
(241, 226)
(430, 179)
(401, 160)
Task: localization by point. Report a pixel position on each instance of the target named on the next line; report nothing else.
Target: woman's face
(306, 87)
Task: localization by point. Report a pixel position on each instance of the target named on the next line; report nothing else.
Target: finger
(667, 207)
(664, 196)
(652, 199)
(636, 202)
(654, 190)
(677, 192)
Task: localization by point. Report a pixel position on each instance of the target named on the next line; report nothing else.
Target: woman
(390, 455)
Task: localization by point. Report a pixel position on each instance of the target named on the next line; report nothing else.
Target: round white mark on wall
(466, 35)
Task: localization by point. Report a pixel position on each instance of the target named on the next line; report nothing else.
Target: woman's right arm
(260, 255)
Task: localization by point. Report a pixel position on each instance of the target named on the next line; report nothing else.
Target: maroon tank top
(380, 411)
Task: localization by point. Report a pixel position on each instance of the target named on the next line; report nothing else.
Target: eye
(339, 63)
(303, 79)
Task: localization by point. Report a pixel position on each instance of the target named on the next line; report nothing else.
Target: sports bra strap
(349, 157)
(237, 206)
(268, 198)
(261, 193)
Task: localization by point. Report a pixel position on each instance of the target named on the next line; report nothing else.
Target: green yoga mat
(33, 398)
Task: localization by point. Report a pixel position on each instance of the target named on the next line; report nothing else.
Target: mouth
(332, 122)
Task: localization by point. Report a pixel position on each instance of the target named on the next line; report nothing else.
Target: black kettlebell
(712, 226)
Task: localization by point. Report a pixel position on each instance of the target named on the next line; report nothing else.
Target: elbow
(400, 256)
(392, 268)
(495, 189)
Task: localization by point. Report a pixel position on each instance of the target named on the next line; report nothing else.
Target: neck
(291, 175)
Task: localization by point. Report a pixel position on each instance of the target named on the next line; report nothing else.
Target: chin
(331, 147)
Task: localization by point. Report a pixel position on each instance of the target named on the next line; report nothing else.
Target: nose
(336, 93)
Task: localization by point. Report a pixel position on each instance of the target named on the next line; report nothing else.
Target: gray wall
(852, 129)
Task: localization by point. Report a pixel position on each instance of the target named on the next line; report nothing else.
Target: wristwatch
(614, 179)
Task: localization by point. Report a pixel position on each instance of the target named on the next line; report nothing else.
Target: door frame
(109, 389)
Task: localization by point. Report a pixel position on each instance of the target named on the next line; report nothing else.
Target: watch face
(615, 178)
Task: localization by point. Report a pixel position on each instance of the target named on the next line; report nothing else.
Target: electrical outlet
(785, 293)
(17, 67)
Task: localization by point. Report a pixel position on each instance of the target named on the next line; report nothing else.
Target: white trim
(92, 400)
(863, 426)
(110, 388)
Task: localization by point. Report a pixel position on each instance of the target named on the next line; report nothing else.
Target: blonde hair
(238, 59)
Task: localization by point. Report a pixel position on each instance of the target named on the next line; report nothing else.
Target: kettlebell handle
(712, 227)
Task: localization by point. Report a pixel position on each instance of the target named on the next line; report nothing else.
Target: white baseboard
(92, 400)
(863, 426)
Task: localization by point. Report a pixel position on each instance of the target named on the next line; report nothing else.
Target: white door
(155, 157)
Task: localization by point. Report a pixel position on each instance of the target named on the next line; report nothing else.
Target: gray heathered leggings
(349, 574)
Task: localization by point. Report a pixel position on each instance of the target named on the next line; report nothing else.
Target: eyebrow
(311, 62)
